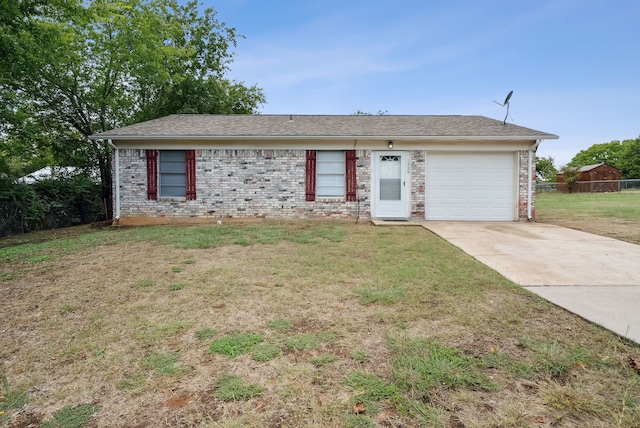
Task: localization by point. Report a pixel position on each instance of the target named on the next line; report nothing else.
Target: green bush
(20, 207)
(48, 204)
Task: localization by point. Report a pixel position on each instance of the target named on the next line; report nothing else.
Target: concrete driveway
(595, 277)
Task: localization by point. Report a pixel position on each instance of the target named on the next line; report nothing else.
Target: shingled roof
(587, 168)
(203, 126)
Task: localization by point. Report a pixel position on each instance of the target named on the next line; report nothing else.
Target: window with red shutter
(152, 174)
(331, 174)
(171, 173)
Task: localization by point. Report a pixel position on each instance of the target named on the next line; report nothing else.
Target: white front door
(390, 185)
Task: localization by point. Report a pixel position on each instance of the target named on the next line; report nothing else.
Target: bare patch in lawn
(439, 339)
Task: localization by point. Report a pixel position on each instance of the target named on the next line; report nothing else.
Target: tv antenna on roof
(505, 104)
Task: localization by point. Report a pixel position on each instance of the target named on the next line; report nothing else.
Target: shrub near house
(48, 204)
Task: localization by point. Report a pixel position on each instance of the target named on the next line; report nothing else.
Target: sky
(573, 65)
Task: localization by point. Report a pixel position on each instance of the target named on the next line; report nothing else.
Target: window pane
(390, 167)
(172, 180)
(390, 189)
(330, 167)
(330, 173)
(171, 155)
(174, 191)
(325, 155)
(172, 167)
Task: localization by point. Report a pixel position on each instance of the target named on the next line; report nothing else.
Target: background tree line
(73, 68)
(624, 155)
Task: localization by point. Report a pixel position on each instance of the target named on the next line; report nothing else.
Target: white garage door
(470, 186)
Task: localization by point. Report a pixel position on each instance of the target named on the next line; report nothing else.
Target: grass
(369, 386)
(293, 324)
(134, 383)
(616, 215)
(385, 296)
(307, 341)
(68, 308)
(71, 417)
(324, 359)
(235, 345)
(422, 365)
(368, 392)
(361, 357)
(281, 325)
(205, 333)
(553, 360)
(213, 237)
(232, 388)
(176, 286)
(623, 205)
(161, 332)
(145, 283)
(10, 399)
(163, 364)
(265, 352)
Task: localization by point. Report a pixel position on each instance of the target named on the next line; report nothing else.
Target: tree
(73, 68)
(630, 159)
(545, 169)
(608, 153)
(571, 175)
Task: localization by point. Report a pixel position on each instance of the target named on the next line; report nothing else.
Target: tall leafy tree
(630, 159)
(73, 68)
(545, 169)
(608, 153)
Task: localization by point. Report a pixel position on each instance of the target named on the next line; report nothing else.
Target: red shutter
(311, 176)
(152, 174)
(190, 162)
(351, 181)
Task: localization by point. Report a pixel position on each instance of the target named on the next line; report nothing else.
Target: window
(331, 174)
(390, 178)
(173, 171)
(173, 180)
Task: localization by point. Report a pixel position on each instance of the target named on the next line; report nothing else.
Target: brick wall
(252, 183)
(244, 183)
(418, 179)
(523, 175)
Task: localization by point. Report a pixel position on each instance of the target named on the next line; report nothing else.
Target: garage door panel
(470, 186)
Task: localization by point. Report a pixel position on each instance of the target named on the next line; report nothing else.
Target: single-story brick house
(321, 166)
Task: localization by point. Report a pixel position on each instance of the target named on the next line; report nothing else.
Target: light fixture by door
(390, 145)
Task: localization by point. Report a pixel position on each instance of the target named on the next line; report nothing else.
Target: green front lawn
(292, 324)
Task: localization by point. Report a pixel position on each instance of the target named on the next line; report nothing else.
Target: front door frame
(380, 210)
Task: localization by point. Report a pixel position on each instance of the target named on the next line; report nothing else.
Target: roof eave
(325, 137)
